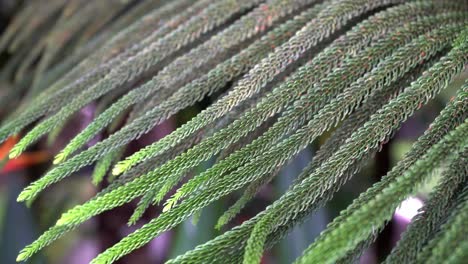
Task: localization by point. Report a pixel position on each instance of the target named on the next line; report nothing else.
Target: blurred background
(20, 225)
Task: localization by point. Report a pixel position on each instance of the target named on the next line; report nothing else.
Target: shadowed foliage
(279, 75)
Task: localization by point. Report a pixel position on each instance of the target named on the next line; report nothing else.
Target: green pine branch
(278, 75)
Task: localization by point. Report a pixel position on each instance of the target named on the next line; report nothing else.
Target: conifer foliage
(281, 73)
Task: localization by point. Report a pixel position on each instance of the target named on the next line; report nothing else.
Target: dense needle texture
(279, 74)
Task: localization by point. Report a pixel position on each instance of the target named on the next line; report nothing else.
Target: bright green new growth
(226, 185)
(279, 74)
(118, 194)
(218, 77)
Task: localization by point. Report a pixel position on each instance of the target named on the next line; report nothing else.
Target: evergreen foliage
(281, 73)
